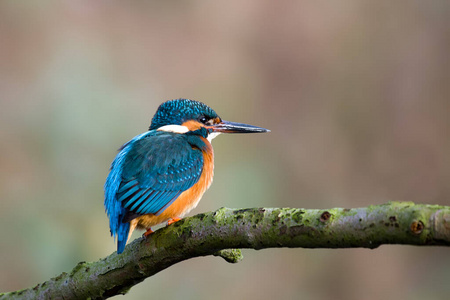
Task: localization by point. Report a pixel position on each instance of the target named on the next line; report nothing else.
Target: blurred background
(356, 93)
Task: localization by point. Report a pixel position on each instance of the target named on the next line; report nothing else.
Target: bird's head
(184, 115)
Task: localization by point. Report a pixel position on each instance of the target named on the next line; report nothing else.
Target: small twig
(230, 255)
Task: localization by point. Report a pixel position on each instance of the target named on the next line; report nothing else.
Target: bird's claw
(173, 220)
(148, 232)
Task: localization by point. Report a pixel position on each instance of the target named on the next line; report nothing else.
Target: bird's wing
(155, 171)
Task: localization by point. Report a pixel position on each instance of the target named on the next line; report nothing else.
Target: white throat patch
(212, 135)
(174, 128)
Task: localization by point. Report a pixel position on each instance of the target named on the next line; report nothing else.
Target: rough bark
(221, 232)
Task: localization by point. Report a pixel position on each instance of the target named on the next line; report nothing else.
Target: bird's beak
(233, 127)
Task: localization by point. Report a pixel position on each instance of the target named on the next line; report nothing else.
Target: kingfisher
(161, 175)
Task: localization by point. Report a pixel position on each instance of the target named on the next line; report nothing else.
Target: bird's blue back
(148, 174)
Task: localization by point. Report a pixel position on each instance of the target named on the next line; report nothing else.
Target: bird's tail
(122, 236)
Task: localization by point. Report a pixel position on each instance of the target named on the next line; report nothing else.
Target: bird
(161, 175)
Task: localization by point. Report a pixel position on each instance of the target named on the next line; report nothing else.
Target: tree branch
(221, 232)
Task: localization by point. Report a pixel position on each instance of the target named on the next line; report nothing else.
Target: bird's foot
(148, 232)
(173, 220)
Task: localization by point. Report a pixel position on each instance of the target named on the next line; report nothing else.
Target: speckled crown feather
(176, 112)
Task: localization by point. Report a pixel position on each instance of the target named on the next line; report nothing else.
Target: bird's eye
(203, 119)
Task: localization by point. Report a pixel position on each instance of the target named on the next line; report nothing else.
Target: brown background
(356, 93)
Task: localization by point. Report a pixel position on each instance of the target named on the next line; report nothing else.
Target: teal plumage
(155, 168)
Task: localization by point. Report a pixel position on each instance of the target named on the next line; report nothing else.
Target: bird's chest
(189, 199)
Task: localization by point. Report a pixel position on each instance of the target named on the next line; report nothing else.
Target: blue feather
(128, 185)
(135, 197)
(141, 200)
(128, 193)
(149, 202)
(123, 231)
(147, 175)
(113, 207)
